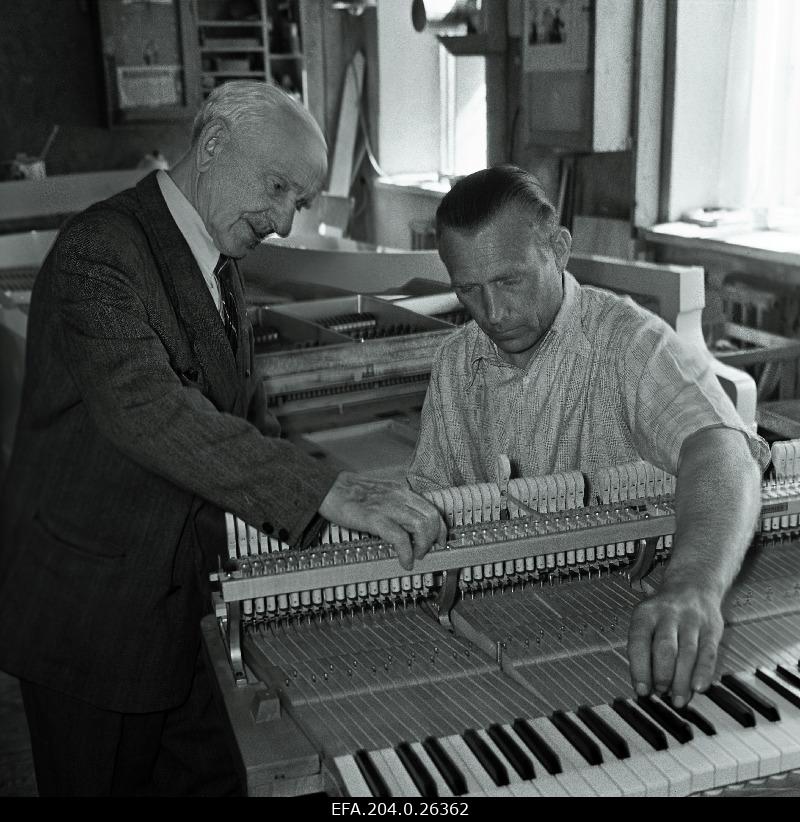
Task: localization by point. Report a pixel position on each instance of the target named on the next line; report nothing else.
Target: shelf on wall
(472, 45)
(234, 74)
(232, 49)
(230, 23)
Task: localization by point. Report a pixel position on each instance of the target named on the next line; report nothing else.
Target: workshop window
(432, 105)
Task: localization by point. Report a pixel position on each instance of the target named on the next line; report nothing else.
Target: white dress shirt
(609, 383)
(194, 231)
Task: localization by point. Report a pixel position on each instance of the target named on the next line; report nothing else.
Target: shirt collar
(567, 320)
(190, 224)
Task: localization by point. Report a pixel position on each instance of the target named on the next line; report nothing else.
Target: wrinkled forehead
(288, 145)
(511, 231)
(506, 243)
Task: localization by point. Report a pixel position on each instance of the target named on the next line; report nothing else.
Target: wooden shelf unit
(268, 46)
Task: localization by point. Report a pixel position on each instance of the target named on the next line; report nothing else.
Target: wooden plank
(62, 194)
(342, 163)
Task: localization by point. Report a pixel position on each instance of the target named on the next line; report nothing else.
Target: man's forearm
(674, 635)
(717, 505)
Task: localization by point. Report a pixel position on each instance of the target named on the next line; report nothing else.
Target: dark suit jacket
(133, 414)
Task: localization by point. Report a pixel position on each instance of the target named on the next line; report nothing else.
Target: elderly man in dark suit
(141, 421)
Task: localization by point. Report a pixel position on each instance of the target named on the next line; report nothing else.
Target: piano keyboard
(525, 688)
(746, 727)
(372, 690)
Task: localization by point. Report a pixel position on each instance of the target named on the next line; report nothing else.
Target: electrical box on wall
(149, 61)
(577, 63)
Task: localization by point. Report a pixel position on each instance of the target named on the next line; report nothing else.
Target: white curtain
(760, 152)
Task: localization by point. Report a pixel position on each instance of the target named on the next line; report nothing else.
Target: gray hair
(249, 101)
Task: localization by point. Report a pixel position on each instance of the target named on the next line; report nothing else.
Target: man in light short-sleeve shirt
(561, 377)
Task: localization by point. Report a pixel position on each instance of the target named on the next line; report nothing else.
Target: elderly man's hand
(673, 641)
(387, 509)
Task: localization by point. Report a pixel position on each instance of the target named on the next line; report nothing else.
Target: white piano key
(513, 776)
(404, 781)
(789, 711)
(618, 770)
(783, 734)
(789, 724)
(495, 790)
(386, 771)
(679, 776)
(354, 783)
(597, 774)
(693, 759)
(543, 785)
(769, 754)
(542, 775)
(571, 778)
(655, 780)
(474, 784)
(430, 767)
(457, 744)
(705, 763)
(625, 777)
(527, 788)
(729, 734)
(546, 783)
(724, 766)
(777, 734)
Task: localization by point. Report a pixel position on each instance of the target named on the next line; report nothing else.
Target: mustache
(261, 229)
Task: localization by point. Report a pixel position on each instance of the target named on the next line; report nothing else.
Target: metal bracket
(235, 643)
(642, 565)
(446, 599)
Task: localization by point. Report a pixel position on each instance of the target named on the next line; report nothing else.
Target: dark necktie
(223, 272)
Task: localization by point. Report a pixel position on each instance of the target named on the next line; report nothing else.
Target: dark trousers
(82, 750)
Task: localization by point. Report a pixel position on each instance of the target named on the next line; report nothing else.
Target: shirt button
(267, 527)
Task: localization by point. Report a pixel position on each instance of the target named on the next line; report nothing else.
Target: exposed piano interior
(498, 666)
(347, 365)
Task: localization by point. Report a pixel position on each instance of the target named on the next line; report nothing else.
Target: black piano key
(607, 735)
(779, 686)
(486, 756)
(732, 705)
(692, 715)
(767, 709)
(579, 740)
(452, 776)
(789, 675)
(511, 751)
(417, 771)
(538, 746)
(669, 721)
(640, 723)
(371, 774)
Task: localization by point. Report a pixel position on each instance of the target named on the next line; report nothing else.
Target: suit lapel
(190, 296)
